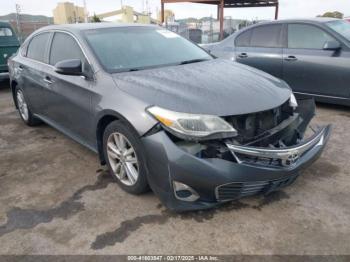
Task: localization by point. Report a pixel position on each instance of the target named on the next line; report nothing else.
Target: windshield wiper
(193, 61)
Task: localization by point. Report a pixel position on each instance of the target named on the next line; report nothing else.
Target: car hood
(215, 87)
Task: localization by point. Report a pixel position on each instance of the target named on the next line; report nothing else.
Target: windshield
(341, 27)
(137, 48)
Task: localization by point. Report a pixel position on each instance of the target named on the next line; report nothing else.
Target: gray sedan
(312, 56)
(162, 113)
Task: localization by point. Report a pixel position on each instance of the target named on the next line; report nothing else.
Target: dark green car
(8, 46)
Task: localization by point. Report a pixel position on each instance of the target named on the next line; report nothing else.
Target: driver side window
(65, 47)
(303, 36)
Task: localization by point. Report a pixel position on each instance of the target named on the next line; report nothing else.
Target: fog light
(184, 192)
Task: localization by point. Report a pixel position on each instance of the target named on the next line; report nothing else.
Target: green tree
(95, 19)
(334, 14)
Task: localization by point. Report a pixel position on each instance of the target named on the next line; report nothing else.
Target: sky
(288, 8)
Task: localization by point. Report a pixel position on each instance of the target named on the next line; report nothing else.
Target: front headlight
(293, 101)
(192, 125)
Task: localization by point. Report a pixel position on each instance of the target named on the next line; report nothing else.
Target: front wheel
(125, 157)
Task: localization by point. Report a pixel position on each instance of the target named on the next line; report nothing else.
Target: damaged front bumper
(186, 181)
(286, 156)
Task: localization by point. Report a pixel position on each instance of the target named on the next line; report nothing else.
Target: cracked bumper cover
(168, 163)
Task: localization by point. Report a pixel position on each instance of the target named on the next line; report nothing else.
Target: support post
(221, 7)
(162, 12)
(218, 12)
(276, 11)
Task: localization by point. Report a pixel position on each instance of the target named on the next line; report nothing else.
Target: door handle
(291, 58)
(243, 55)
(48, 80)
(20, 67)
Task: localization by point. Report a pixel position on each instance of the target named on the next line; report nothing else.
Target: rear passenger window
(37, 47)
(64, 47)
(266, 36)
(4, 31)
(307, 37)
(243, 39)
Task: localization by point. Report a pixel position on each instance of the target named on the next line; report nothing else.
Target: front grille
(238, 190)
(252, 126)
(259, 160)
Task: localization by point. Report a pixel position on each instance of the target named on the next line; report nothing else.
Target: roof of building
(230, 3)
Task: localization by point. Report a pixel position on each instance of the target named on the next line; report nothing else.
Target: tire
(24, 110)
(118, 131)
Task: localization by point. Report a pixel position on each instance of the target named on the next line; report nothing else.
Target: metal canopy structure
(221, 4)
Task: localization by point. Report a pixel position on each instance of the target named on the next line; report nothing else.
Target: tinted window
(307, 37)
(64, 47)
(37, 47)
(137, 48)
(341, 27)
(266, 36)
(244, 39)
(5, 31)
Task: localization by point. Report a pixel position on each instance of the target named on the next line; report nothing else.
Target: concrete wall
(68, 13)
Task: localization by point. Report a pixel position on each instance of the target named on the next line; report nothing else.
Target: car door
(308, 68)
(69, 97)
(261, 47)
(30, 68)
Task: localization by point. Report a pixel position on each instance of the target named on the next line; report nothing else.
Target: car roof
(307, 20)
(76, 28)
(5, 24)
(316, 20)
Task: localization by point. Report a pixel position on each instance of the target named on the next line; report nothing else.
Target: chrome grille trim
(291, 154)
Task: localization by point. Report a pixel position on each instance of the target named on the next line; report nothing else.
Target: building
(68, 13)
(169, 16)
(127, 15)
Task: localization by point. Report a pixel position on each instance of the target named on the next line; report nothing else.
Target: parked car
(312, 56)
(162, 112)
(8, 46)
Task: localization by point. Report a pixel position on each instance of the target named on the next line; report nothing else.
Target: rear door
(261, 47)
(69, 97)
(31, 71)
(308, 68)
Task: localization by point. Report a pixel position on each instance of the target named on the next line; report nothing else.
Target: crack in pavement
(18, 218)
(127, 227)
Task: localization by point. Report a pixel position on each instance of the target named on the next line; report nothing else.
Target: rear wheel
(125, 157)
(24, 110)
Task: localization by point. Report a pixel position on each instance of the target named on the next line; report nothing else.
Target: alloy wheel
(123, 159)
(22, 105)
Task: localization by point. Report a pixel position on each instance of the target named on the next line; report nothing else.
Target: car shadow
(332, 106)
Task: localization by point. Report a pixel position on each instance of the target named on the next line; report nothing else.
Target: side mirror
(71, 67)
(332, 45)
